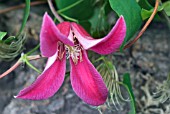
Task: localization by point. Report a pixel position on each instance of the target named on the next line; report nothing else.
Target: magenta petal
(50, 35)
(106, 45)
(64, 28)
(87, 82)
(48, 83)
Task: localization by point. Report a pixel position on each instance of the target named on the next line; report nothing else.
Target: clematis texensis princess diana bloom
(70, 40)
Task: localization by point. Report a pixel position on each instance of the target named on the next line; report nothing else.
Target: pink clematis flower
(70, 40)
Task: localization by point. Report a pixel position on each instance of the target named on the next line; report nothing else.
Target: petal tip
(47, 18)
(121, 16)
(87, 83)
(47, 84)
(15, 97)
(46, 15)
(122, 19)
(47, 44)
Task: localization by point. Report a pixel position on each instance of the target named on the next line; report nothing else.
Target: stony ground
(148, 62)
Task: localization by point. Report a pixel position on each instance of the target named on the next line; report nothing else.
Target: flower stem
(54, 11)
(11, 69)
(33, 57)
(70, 6)
(30, 65)
(33, 50)
(69, 18)
(144, 27)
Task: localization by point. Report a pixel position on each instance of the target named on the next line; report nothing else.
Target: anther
(74, 52)
(60, 47)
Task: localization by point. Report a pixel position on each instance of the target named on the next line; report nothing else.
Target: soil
(148, 62)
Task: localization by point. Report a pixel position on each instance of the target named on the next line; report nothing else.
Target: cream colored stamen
(74, 52)
(60, 50)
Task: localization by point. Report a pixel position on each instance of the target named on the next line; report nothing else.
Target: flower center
(74, 52)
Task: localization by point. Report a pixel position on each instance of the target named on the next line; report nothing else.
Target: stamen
(60, 46)
(74, 52)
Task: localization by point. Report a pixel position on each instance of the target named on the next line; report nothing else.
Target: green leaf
(166, 6)
(147, 13)
(86, 25)
(127, 82)
(25, 16)
(99, 24)
(2, 35)
(81, 11)
(145, 4)
(132, 14)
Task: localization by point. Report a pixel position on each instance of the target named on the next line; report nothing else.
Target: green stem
(69, 18)
(69, 7)
(24, 58)
(33, 50)
(30, 65)
(25, 16)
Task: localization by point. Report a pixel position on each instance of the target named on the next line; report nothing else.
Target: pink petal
(64, 28)
(50, 35)
(48, 83)
(87, 82)
(106, 45)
